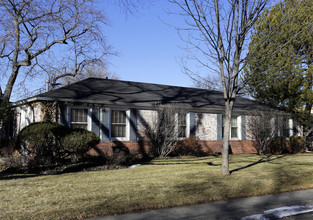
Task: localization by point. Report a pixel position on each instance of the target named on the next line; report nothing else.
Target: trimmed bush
(278, 146)
(297, 144)
(188, 147)
(47, 144)
(120, 156)
(40, 143)
(78, 142)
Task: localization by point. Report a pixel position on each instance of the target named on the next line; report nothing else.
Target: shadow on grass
(277, 179)
(177, 161)
(16, 173)
(266, 159)
(90, 164)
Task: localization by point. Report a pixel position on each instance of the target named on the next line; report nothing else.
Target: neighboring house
(118, 111)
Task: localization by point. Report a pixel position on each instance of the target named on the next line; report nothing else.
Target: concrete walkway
(232, 209)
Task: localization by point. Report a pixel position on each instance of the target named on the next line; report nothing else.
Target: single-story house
(118, 111)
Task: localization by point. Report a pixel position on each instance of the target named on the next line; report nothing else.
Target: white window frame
(127, 125)
(79, 107)
(239, 131)
(289, 128)
(187, 131)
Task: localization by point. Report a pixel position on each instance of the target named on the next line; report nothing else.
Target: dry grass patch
(158, 184)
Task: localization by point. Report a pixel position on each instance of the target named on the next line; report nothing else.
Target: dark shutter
(133, 125)
(105, 126)
(243, 127)
(219, 126)
(64, 114)
(95, 121)
(192, 121)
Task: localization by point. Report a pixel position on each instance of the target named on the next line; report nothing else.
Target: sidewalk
(232, 209)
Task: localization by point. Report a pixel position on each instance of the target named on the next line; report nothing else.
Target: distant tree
(281, 73)
(208, 82)
(90, 71)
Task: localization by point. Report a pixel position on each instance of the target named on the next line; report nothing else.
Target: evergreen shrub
(278, 146)
(297, 144)
(47, 143)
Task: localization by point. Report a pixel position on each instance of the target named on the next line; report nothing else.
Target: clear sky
(149, 49)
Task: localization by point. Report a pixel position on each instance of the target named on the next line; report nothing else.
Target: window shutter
(64, 115)
(280, 120)
(192, 117)
(133, 125)
(243, 127)
(105, 126)
(219, 129)
(95, 121)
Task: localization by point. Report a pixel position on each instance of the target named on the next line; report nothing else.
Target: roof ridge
(158, 84)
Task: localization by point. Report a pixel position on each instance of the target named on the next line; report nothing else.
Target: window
(233, 127)
(118, 123)
(79, 118)
(182, 125)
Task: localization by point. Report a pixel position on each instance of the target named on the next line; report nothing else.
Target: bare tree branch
(41, 26)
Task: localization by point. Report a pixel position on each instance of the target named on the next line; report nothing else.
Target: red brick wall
(237, 147)
(141, 148)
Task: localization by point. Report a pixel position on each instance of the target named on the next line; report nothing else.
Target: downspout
(47, 85)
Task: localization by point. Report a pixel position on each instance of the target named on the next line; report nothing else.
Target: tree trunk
(15, 66)
(11, 81)
(225, 153)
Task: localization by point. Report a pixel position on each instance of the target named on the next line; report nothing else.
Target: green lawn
(159, 184)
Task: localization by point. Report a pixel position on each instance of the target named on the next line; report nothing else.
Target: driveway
(231, 209)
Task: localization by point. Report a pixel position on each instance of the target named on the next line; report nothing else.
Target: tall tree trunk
(226, 133)
(15, 66)
(11, 81)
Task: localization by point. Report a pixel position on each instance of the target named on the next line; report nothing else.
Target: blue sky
(149, 50)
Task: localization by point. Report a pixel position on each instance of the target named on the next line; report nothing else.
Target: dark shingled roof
(117, 92)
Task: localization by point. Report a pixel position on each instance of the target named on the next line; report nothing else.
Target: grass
(159, 184)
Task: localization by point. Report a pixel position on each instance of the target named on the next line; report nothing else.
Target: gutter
(142, 106)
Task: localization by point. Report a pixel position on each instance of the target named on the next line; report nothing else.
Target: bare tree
(131, 6)
(218, 30)
(166, 128)
(83, 56)
(264, 126)
(32, 28)
(208, 82)
(93, 70)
